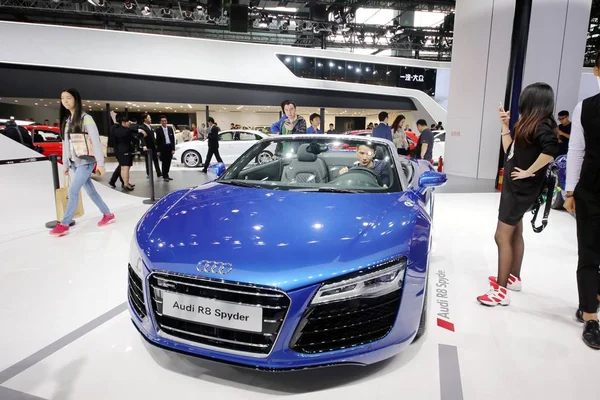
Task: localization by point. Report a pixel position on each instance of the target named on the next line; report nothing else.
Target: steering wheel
(361, 175)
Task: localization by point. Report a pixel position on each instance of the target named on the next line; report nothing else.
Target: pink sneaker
(59, 230)
(107, 219)
(514, 283)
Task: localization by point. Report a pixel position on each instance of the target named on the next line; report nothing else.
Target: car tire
(264, 157)
(423, 321)
(557, 198)
(191, 159)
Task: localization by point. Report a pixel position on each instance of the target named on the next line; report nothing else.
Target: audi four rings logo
(214, 267)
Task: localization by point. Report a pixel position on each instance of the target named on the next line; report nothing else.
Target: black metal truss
(307, 33)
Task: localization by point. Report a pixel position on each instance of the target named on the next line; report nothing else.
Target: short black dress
(518, 196)
(124, 139)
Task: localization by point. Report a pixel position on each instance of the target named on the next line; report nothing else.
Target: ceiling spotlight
(166, 13)
(97, 3)
(188, 15)
(146, 11)
(129, 6)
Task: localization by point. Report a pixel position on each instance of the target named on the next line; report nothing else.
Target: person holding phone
(290, 123)
(528, 154)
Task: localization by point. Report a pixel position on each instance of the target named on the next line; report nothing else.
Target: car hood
(284, 239)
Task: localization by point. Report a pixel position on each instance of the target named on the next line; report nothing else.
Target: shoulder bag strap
(550, 185)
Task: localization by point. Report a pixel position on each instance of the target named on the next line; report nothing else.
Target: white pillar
(480, 57)
(556, 46)
(479, 68)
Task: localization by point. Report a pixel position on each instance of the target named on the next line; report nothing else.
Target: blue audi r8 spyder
(316, 258)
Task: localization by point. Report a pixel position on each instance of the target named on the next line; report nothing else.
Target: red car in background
(410, 137)
(47, 137)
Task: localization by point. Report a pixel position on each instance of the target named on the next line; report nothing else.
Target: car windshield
(323, 163)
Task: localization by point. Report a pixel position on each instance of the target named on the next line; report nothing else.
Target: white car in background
(232, 144)
(439, 145)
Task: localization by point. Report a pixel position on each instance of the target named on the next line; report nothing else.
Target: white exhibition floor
(51, 288)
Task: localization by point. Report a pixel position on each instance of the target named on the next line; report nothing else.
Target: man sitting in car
(365, 154)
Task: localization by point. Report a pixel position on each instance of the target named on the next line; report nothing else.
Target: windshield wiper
(242, 184)
(329, 190)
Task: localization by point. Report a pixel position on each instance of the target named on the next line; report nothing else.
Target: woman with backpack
(528, 154)
(73, 120)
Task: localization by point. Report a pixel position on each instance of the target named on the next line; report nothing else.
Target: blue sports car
(316, 258)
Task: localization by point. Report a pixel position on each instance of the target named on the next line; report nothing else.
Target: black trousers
(165, 158)
(116, 175)
(587, 203)
(209, 156)
(155, 161)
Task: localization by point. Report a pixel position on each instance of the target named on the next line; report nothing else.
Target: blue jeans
(82, 178)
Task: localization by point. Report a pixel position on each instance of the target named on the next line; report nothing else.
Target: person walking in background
(149, 143)
(111, 144)
(165, 146)
(534, 146)
(315, 124)
(564, 132)
(74, 120)
(124, 138)
(331, 130)
(583, 200)
(383, 130)
(424, 149)
(399, 135)
(213, 144)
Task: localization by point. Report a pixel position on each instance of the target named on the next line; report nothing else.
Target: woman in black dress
(125, 138)
(534, 146)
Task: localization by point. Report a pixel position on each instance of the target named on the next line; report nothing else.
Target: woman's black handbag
(545, 197)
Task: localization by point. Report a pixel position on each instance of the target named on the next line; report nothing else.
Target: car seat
(306, 168)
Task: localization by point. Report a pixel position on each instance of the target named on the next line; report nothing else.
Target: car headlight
(374, 284)
(135, 260)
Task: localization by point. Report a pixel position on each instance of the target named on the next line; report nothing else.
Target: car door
(227, 147)
(235, 144)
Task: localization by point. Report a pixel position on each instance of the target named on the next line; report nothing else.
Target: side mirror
(432, 179)
(217, 169)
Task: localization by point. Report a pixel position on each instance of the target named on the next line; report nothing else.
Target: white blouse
(576, 150)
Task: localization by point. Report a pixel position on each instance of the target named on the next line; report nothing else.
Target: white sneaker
(497, 296)
(515, 284)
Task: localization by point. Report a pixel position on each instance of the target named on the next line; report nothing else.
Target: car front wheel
(191, 159)
(264, 157)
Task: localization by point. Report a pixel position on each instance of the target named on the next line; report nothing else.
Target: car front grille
(275, 305)
(345, 324)
(136, 294)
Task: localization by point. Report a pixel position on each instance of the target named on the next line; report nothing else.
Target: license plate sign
(213, 312)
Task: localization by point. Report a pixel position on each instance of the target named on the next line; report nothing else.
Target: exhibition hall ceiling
(158, 107)
(419, 28)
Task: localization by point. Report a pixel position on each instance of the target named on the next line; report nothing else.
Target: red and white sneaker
(107, 219)
(59, 230)
(514, 283)
(497, 296)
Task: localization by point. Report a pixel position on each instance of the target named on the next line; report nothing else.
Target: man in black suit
(149, 143)
(165, 144)
(213, 144)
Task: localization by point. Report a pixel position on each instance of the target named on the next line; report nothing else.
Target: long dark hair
(536, 105)
(396, 123)
(65, 114)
